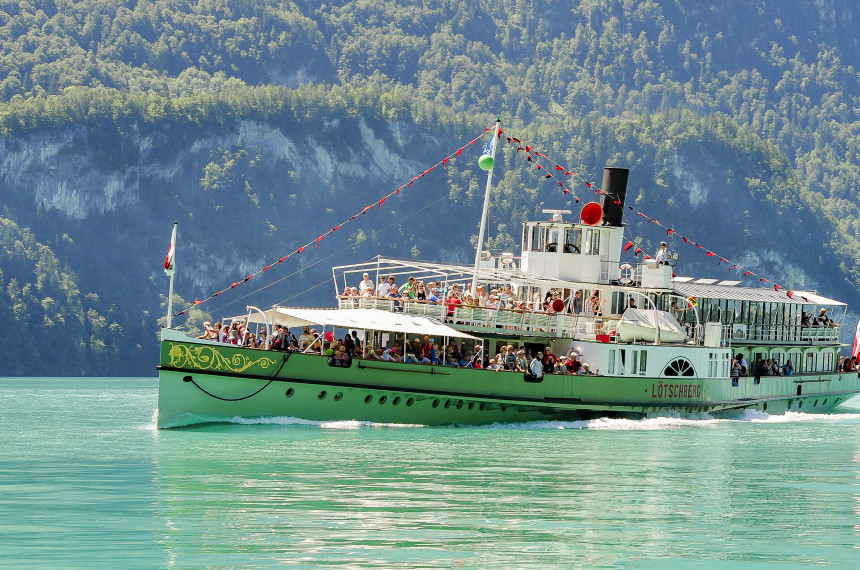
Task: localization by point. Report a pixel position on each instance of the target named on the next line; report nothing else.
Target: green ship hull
(207, 382)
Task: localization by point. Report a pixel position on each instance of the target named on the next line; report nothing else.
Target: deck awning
(373, 319)
(768, 295)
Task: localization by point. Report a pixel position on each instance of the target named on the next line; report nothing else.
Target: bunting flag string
(377, 204)
(531, 153)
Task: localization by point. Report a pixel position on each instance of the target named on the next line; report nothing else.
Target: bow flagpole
(486, 163)
(170, 269)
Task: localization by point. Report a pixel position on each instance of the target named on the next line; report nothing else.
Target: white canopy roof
(641, 324)
(357, 319)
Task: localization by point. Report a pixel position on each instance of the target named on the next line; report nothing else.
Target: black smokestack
(614, 190)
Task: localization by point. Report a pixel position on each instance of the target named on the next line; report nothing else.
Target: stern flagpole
(170, 270)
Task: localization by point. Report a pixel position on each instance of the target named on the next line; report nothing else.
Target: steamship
(656, 344)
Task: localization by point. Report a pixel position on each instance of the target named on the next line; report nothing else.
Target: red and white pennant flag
(171, 252)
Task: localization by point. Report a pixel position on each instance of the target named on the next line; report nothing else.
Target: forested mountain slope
(262, 125)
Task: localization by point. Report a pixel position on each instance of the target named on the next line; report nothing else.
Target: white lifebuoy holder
(625, 274)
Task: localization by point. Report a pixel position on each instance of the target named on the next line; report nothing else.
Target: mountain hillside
(260, 126)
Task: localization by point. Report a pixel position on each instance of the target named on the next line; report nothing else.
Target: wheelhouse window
(552, 239)
(591, 242)
(573, 240)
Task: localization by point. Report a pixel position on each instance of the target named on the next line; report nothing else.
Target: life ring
(625, 274)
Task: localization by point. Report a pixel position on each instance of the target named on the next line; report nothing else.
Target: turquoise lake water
(86, 481)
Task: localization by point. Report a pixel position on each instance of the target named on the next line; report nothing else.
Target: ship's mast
(480, 245)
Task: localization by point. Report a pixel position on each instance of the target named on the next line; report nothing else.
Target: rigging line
(378, 205)
(388, 227)
(293, 274)
(669, 231)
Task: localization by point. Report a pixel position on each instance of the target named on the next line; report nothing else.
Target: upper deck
(539, 305)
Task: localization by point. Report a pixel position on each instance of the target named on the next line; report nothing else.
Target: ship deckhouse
(589, 251)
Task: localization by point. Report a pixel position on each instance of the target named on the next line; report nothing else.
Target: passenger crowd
(399, 349)
(454, 295)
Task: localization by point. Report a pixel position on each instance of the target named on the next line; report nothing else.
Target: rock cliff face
(244, 196)
(252, 192)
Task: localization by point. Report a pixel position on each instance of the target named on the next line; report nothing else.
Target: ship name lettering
(683, 391)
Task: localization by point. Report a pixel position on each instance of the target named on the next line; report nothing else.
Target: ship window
(586, 242)
(679, 367)
(595, 243)
(643, 359)
(552, 240)
(572, 240)
(810, 362)
(827, 361)
(611, 367)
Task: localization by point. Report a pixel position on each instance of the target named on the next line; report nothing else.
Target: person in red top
(453, 302)
(549, 361)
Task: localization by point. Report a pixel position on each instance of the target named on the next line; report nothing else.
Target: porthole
(764, 406)
(436, 403)
(338, 396)
(410, 401)
(395, 401)
(836, 403)
(503, 407)
(368, 399)
(824, 403)
(471, 405)
(459, 404)
(447, 403)
(289, 393)
(322, 395)
(483, 406)
(789, 404)
(382, 399)
(800, 404)
(815, 405)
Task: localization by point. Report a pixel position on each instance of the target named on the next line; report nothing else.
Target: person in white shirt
(384, 288)
(663, 255)
(365, 285)
(482, 296)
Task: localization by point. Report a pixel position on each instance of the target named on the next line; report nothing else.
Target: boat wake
(852, 415)
(342, 424)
